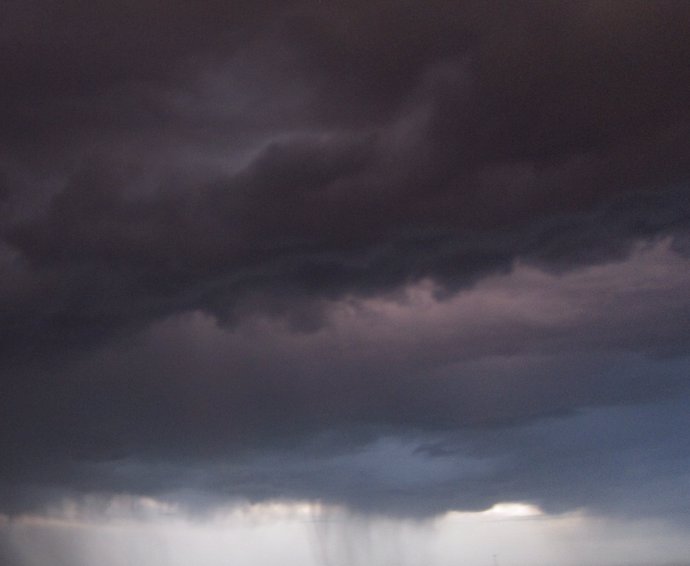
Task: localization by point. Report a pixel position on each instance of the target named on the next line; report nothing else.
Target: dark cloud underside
(230, 229)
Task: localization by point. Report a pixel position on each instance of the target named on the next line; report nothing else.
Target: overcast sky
(383, 265)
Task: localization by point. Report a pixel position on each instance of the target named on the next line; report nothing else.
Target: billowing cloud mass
(399, 257)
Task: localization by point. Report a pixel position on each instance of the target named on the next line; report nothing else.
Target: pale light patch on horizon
(510, 510)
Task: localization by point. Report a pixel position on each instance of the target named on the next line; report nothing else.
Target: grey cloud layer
(264, 411)
(403, 216)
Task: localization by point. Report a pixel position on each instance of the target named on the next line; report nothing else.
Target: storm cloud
(400, 257)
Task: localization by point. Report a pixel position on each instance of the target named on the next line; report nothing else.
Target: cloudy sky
(344, 283)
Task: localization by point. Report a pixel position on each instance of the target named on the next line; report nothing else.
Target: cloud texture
(404, 257)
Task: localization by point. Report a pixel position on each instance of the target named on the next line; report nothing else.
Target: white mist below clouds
(304, 534)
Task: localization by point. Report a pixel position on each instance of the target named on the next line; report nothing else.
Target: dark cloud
(242, 412)
(405, 219)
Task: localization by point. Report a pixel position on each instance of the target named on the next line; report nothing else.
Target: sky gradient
(375, 268)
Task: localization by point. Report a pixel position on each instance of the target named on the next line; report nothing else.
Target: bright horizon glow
(509, 510)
